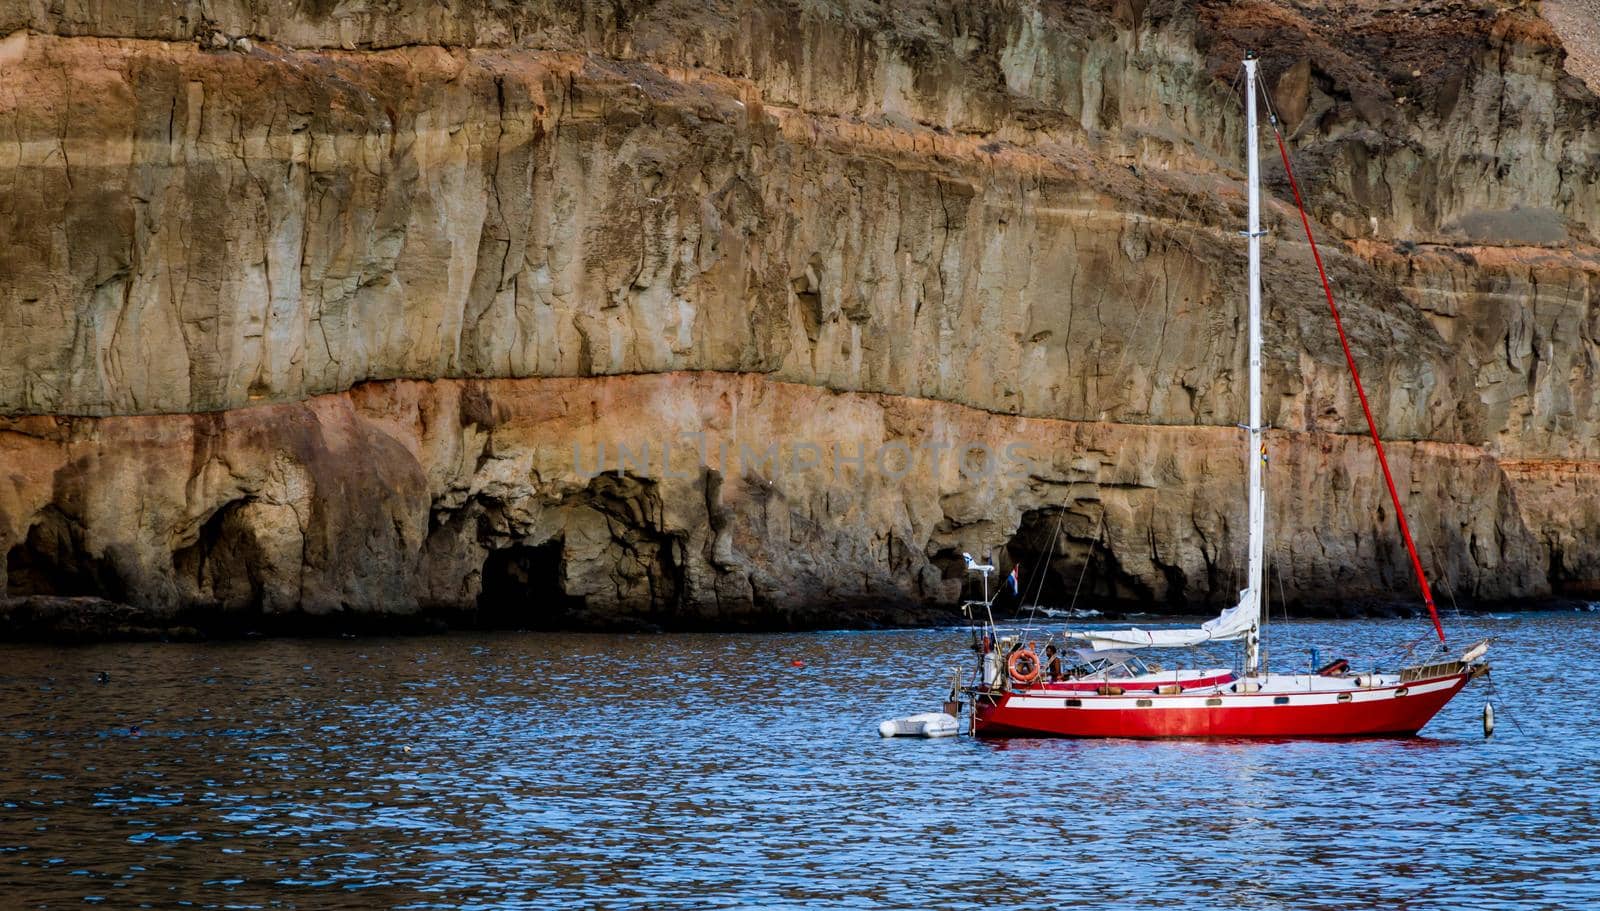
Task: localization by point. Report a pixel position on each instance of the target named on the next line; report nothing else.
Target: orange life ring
(1024, 666)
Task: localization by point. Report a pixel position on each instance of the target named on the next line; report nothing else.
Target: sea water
(530, 770)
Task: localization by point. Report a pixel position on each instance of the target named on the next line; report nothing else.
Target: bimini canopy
(1234, 623)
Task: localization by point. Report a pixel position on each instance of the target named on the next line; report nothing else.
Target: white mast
(1255, 457)
(1244, 619)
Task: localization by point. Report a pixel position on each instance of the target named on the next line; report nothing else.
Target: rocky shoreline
(72, 621)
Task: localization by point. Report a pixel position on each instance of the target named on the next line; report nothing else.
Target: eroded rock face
(540, 518)
(305, 307)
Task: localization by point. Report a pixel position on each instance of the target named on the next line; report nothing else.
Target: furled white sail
(1235, 623)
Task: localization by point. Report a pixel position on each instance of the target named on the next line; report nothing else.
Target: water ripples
(511, 770)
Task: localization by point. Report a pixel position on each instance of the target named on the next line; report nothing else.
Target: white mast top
(1256, 455)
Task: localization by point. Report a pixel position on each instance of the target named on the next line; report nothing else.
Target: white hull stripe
(1207, 699)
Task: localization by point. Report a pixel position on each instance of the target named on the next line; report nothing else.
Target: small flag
(1016, 575)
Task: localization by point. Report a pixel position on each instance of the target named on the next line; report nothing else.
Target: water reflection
(709, 771)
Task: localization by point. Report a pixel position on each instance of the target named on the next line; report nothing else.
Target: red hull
(1390, 710)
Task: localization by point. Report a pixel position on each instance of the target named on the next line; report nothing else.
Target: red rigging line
(1372, 426)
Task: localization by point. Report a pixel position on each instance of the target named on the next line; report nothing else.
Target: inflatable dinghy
(928, 724)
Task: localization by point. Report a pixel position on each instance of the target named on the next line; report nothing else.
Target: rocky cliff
(761, 313)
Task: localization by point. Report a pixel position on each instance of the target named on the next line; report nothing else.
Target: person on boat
(1053, 664)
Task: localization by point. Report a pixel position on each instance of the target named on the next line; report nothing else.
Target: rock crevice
(307, 307)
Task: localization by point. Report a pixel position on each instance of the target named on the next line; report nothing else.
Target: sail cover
(1234, 623)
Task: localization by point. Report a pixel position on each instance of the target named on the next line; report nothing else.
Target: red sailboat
(1110, 692)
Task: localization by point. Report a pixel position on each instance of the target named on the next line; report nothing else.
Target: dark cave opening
(51, 561)
(523, 589)
(223, 566)
(1067, 563)
(1051, 561)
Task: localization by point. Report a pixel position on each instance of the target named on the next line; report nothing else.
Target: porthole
(1344, 697)
(1214, 700)
(1280, 700)
(1401, 691)
(1144, 703)
(1074, 703)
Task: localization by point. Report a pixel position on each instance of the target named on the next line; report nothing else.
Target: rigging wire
(1042, 575)
(1495, 695)
(1100, 530)
(1122, 362)
(1283, 598)
(1455, 609)
(1355, 375)
(1189, 203)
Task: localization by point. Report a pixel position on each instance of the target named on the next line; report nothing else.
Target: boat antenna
(973, 566)
(1355, 375)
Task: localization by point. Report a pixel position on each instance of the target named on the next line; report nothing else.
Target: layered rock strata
(306, 309)
(688, 499)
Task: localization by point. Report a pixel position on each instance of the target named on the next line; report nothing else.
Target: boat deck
(1273, 705)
